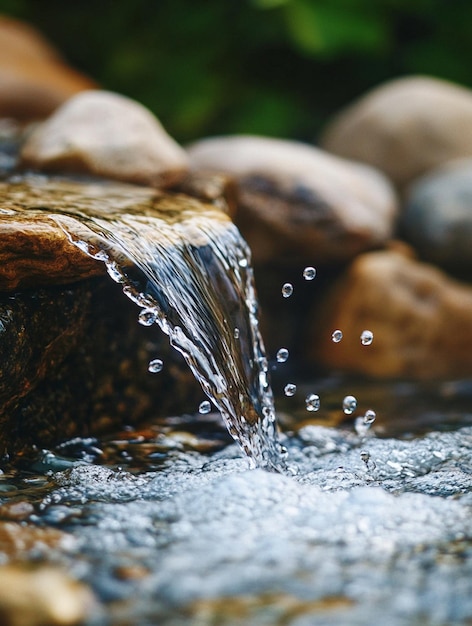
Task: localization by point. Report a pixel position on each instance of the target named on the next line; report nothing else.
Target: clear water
(187, 267)
(369, 531)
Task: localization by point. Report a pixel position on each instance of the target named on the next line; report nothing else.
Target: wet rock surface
(405, 127)
(296, 202)
(74, 361)
(34, 80)
(437, 217)
(106, 134)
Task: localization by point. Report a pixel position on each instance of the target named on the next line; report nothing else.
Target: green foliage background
(274, 67)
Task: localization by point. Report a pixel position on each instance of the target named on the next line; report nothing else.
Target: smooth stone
(35, 251)
(437, 217)
(45, 594)
(405, 127)
(34, 80)
(420, 318)
(106, 134)
(297, 203)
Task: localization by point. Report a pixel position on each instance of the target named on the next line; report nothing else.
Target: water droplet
(365, 456)
(287, 290)
(236, 333)
(312, 402)
(147, 317)
(290, 389)
(367, 337)
(282, 355)
(242, 262)
(369, 417)
(349, 405)
(205, 407)
(337, 336)
(155, 366)
(309, 273)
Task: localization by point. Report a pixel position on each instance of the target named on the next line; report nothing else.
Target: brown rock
(421, 320)
(73, 359)
(44, 596)
(297, 203)
(105, 134)
(405, 128)
(33, 78)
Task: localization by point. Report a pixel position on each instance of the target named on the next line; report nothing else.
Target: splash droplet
(312, 402)
(147, 317)
(369, 417)
(367, 337)
(205, 407)
(287, 290)
(290, 389)
(155, 366)
(282, 355)
(349, 405)
(309, 273)
(236, 333)
(337, 336)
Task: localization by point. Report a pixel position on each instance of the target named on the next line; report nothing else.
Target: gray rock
(405, 128)
(437, 219)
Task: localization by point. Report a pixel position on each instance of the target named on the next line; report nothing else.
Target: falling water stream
(188, 268)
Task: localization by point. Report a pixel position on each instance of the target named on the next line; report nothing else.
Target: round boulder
(297, 203)
(420, 318)
(109, 135)
(437, 218)
(405, 127)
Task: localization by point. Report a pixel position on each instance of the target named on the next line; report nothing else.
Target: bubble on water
(369, 417)
(367, 337)
(147, 317)
(349, 405)
(282, 355)
(309, 273)
(312, 402)
(290, 389)
(236, 333)
(287, 290)
(337, 336)
(155, 366)
(205, 407)
(114, 272)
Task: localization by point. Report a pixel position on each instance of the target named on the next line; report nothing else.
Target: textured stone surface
(106, 134)
(73, 361)
(33, 78)
(421, 320)
(405, 127)
(297, 203)
(437, 217)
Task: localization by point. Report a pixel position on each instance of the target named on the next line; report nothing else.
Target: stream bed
(170, 526)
